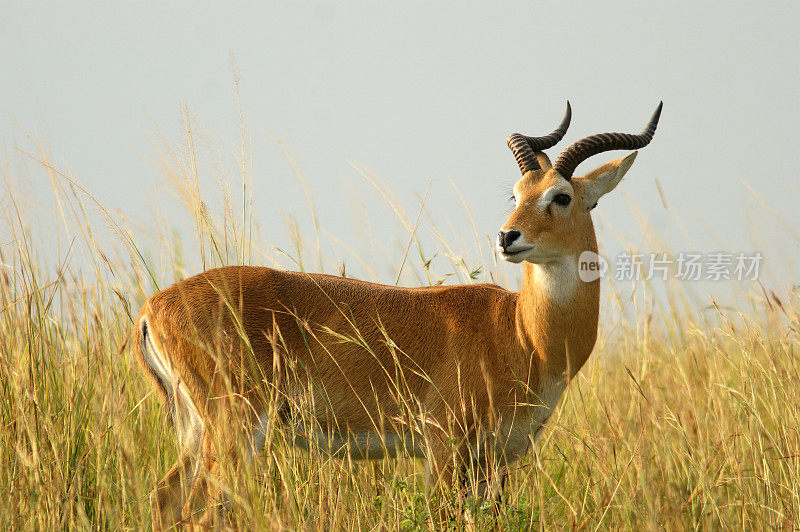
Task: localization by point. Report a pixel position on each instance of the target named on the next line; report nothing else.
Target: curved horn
(524, 148)
(581, 150)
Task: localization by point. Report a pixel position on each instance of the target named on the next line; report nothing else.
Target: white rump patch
(185, 416)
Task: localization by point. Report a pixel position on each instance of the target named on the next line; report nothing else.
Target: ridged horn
(581, 150)
(525, 148)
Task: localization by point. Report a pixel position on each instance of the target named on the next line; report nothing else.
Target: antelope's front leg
(447, 462)
(490, 481)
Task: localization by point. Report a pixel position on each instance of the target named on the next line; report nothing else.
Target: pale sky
(421, 93)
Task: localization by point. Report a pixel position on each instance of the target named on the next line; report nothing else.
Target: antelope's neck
(556, 316)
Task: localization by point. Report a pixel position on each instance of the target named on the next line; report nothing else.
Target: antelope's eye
(562, 199)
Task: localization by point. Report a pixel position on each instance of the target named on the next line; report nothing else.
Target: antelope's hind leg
(167, 499)
(174, 494)
(223, 456)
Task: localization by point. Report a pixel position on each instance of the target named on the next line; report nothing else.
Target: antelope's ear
(544, 160)
(601, 181)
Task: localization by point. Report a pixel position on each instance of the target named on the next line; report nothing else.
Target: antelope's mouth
(517, 254)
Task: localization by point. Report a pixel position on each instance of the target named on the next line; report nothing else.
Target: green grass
(681, 419)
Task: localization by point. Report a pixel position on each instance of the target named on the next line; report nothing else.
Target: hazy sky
(421, 93)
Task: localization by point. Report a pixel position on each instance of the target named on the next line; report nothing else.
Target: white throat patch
(557, 280)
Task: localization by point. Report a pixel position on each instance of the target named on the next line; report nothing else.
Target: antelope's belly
(360, 445)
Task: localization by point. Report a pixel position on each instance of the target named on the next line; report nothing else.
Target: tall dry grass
(682, 419)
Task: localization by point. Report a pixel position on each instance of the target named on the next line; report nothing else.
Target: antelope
(463, 376)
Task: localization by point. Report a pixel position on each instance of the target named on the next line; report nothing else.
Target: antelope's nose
(506, 238)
